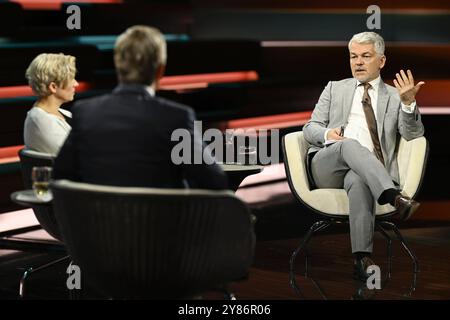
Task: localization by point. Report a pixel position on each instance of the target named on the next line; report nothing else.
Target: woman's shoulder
(41, 118)
(37, 113)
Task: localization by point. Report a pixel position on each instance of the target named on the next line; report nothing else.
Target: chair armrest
(295, 151)
(411, 158)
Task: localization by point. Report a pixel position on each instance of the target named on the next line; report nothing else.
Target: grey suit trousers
(347, 164)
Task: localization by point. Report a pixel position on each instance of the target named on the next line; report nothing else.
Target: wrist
(326, 134)
(408, 102)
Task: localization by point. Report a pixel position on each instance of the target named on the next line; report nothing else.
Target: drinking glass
(41, 177)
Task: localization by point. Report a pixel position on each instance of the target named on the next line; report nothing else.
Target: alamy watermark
(74, 279)
(374, 21)
(249, 146)
(74, 20)
(374, 280)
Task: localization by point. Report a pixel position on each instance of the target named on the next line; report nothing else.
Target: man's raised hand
(406, 88)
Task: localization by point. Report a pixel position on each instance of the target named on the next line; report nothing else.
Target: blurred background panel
(237, 63)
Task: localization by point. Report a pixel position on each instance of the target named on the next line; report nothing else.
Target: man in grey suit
(354, 132)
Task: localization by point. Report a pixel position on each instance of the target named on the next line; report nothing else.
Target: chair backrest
(412, 160)
(44, 214)
(295, 149)
(412, 157)
(154, 243)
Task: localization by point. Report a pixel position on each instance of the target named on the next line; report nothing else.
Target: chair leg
(404, 244)
(319, 288)
(320, 228)
(319, 225)
(408, 250)
(306, 262)
(389, 249)
(30, 271)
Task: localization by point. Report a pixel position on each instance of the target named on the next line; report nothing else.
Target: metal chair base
(380, 225)
(26, 275)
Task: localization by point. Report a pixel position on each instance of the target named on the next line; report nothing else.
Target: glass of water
(41, 177)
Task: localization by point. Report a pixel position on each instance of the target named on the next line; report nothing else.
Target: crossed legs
(347, 164)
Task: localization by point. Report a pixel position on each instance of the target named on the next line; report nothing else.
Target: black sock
(388, 196)
(361, 254)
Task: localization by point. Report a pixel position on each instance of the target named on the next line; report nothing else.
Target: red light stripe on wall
(166, 83)
(9, 154)
(271, 122)
(223, 77)
(197, 81)
(25, 91)
(56, 4)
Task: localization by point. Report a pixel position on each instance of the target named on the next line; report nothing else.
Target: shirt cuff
(325, 134)
(410, 108)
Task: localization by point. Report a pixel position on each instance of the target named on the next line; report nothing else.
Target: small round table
(27, 198)
(237, 172)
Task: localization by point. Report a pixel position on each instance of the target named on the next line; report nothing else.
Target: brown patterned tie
(371, 122)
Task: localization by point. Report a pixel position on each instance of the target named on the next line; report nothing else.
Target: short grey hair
(369, 37)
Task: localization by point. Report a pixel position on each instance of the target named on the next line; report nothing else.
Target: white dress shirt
(45, 132)
(356, 127)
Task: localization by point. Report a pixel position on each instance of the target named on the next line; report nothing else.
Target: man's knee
(351, 147)
(352, 180)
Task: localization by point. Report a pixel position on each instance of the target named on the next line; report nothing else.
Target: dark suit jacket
(124, 139)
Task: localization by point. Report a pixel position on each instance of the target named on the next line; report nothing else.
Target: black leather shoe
(405, 206)
(360, 268)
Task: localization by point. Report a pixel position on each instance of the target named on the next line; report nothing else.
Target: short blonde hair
(138, 53)
(47, 68)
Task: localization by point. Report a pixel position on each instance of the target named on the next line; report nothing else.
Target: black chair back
(154, 243)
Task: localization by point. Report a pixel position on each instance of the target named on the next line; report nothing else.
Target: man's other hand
(334, 134)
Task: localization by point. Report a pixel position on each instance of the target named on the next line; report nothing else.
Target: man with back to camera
(354, 130)
(124, 138)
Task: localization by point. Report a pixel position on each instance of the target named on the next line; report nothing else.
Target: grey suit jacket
(333, 109)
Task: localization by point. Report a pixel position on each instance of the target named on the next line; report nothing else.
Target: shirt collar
(374, 83)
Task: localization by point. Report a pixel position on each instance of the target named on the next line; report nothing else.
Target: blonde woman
(52, 78)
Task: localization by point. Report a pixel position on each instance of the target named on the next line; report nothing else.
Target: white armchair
(333, 204)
